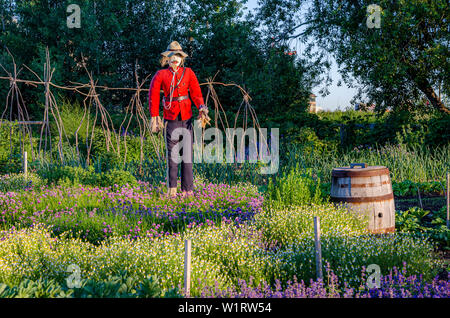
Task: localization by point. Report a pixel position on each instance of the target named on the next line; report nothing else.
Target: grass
(417, 165)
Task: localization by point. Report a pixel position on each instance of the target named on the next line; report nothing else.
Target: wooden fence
(92, 104)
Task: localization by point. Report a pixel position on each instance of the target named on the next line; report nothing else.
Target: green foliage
(439, 231)
(438, 132)
(96, 213)
(403, 188)
(309, 142)
(278, 84)
(105, 24)
(220, 256)
(117, 177)
(422, 164)
(345, 130)
(410, 220)
(423, 223)
(395, 65)
(338, 133)
(57, 174)
(40, 288)
(419, 165)
(230, 173)
(285, 226)
(118, 286)
(221, 43)
(349, 255)
(129, 147)
(409, 188)
(18, 182)
(10, 147)
(11, 163)
(215, 256)
(297, 187)
(409, 137)
(106, 160)
(67, 175)
(121, 285)
(71, 114)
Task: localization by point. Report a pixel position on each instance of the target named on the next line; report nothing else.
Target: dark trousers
(187, 176)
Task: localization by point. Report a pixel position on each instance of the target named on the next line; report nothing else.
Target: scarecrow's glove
(203, 116)
(156, 124)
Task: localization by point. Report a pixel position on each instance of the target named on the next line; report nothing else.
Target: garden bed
(429, 202)
(138, 233)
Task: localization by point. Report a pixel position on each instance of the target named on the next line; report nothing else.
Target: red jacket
(162, 79)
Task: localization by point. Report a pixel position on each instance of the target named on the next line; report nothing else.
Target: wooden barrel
(368, 190)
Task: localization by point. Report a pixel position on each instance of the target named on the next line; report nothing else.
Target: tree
(394, 65)
(117, 35)
(231, 46)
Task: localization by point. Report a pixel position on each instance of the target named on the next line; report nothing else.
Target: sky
(339, 96)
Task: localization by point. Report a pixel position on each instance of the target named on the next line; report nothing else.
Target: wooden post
(448, 199)
(318, 247)
(187, 267)
(25, 164)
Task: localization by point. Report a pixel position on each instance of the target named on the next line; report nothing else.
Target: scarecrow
(178, 83)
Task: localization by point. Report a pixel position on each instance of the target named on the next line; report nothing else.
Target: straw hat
(174, 48)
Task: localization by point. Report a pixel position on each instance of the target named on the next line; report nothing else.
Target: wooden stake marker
(25, 164)
(187, 267)
(318, 247)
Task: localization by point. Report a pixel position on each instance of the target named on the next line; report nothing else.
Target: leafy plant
(40, 288)
(297, 187)
(349, 255)
(116, 177)
(410, 220)
(310, 143)
(118, 286)
(412, 138)
(413, 221)
(68, 175)
(18, 182)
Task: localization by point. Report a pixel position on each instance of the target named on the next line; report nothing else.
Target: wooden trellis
(93, 105)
